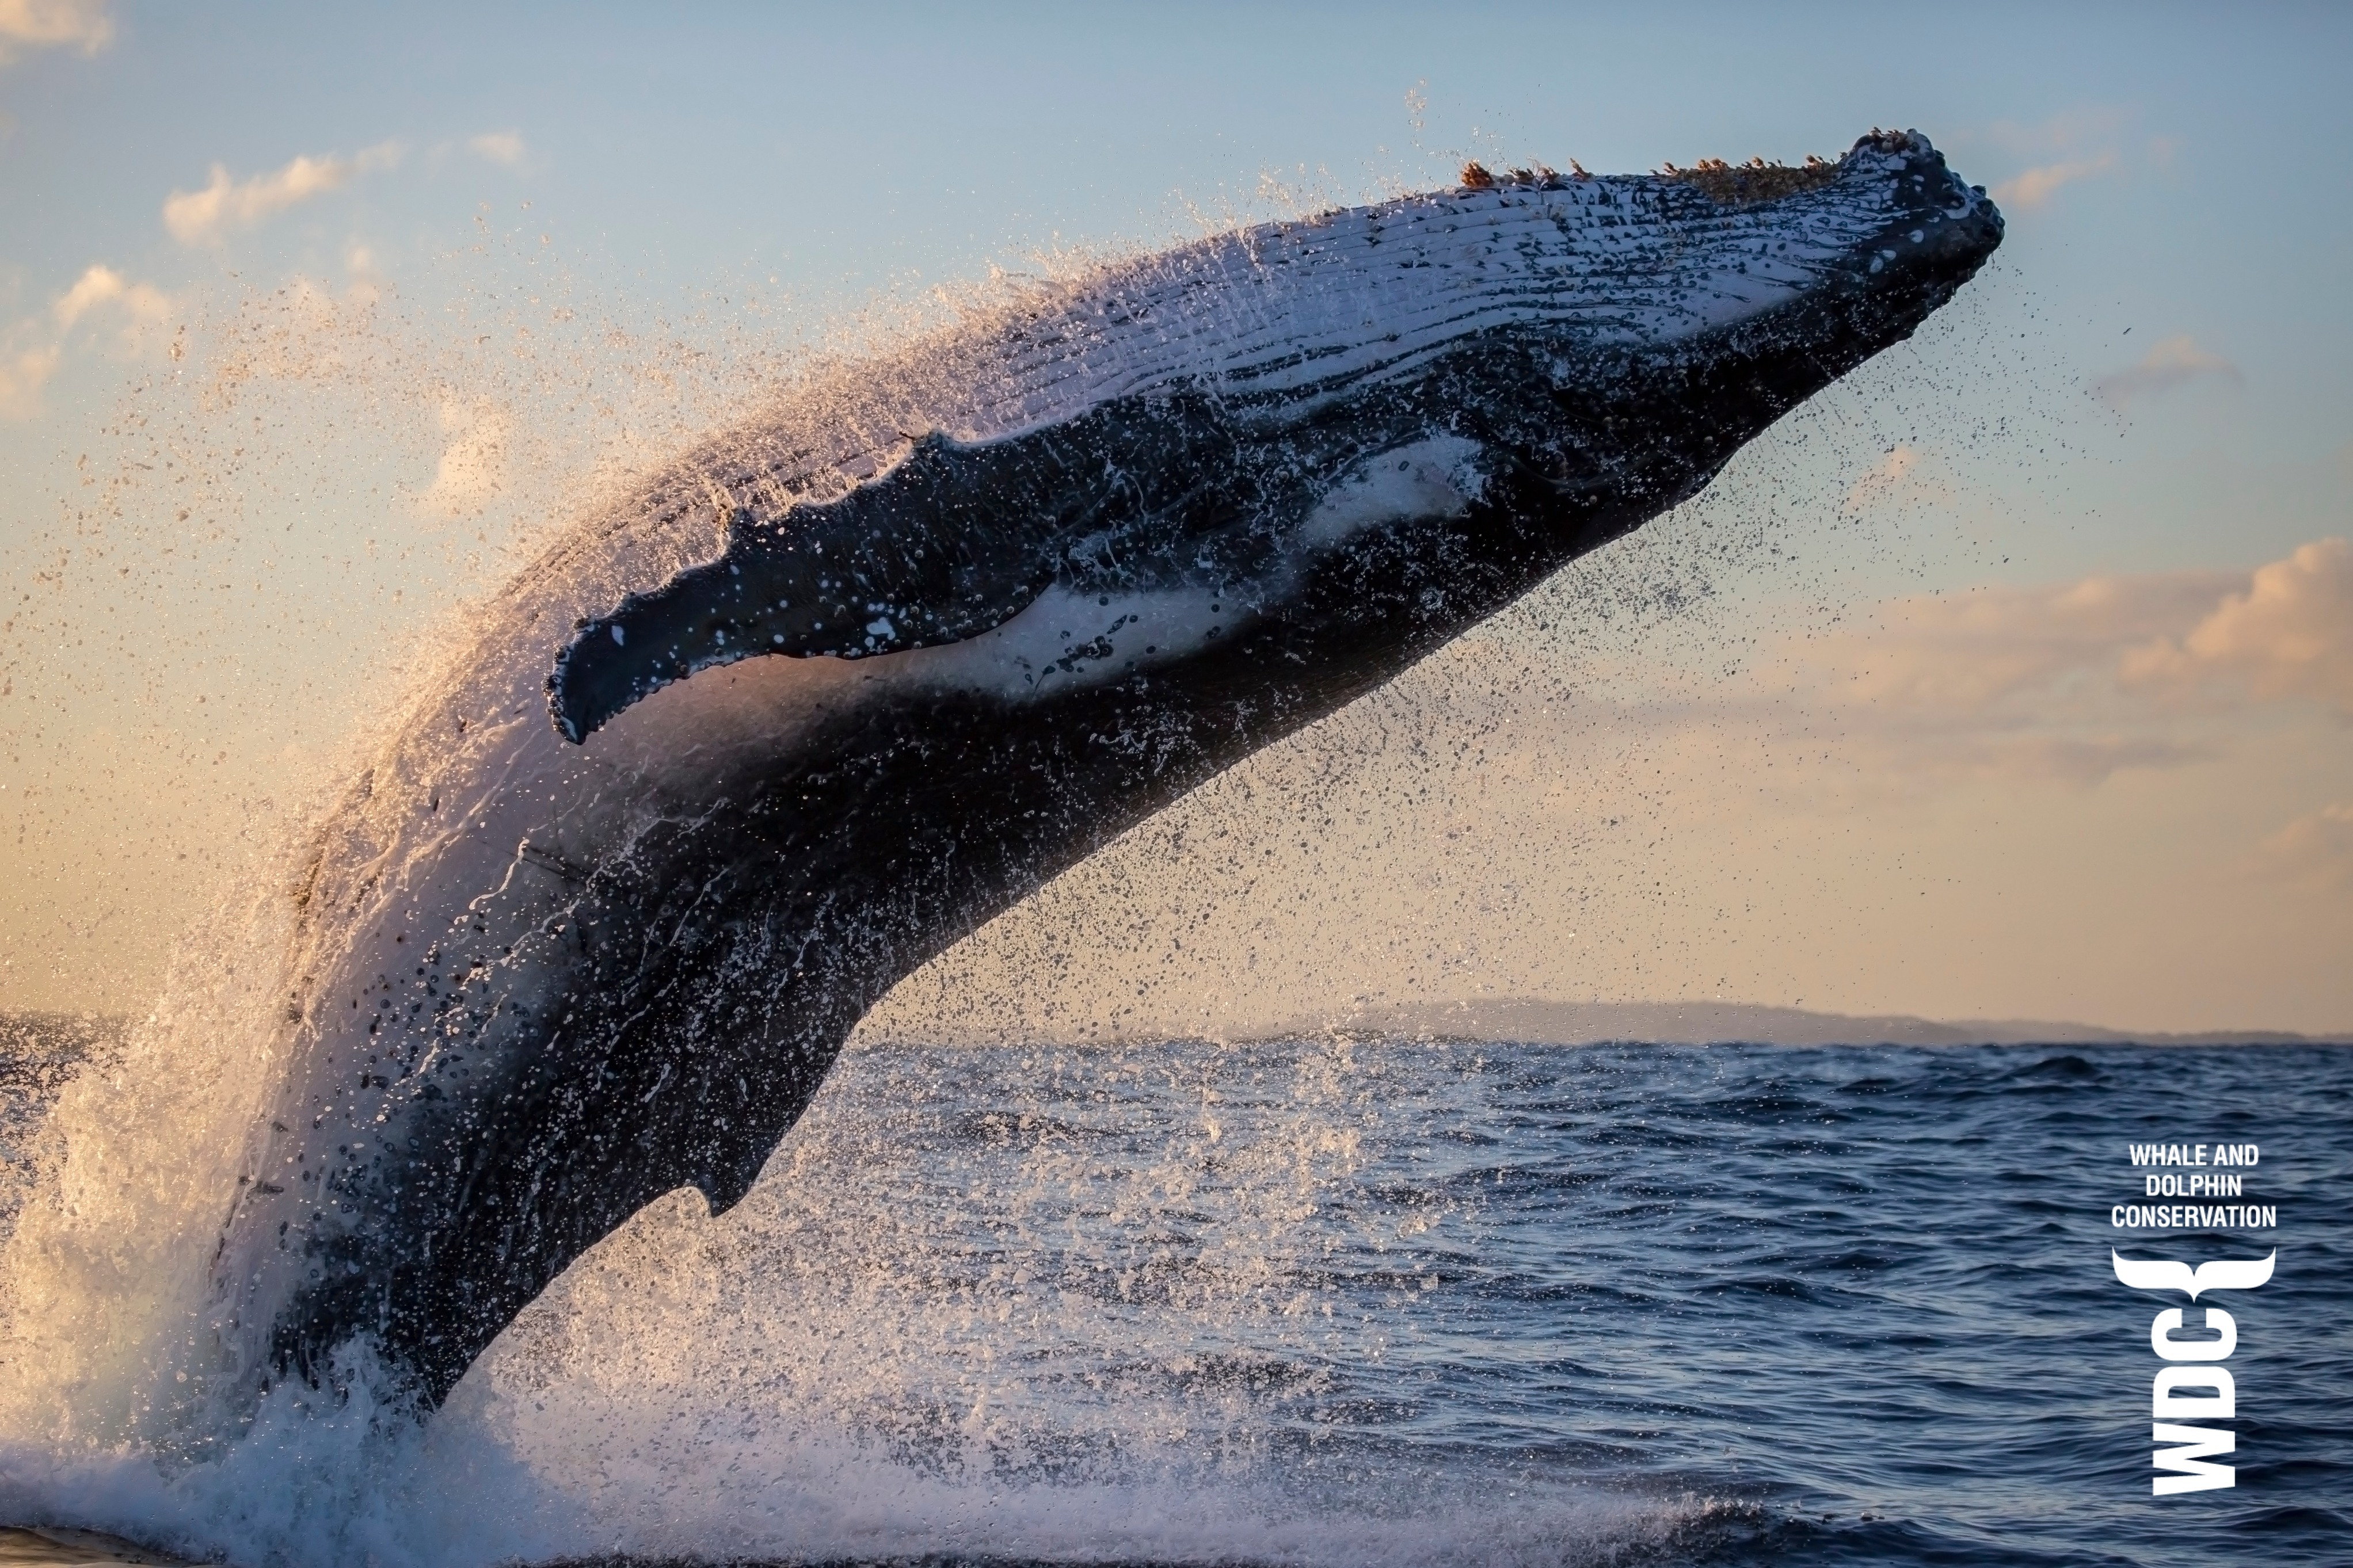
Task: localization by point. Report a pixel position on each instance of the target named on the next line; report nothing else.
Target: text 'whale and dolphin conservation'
(1038, 578)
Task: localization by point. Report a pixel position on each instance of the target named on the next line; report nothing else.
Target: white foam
(1079, 1332)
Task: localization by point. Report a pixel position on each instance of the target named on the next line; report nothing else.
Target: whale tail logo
(2165, 1274)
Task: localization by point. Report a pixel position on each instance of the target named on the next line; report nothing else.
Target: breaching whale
(844, 683)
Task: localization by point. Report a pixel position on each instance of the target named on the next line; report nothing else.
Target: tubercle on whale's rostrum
(1347, 442)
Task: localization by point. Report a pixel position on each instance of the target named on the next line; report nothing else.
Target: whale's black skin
(670, 922)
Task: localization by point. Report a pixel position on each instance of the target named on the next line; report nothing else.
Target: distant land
(58, 1039)
(1734, 1023)
(1525, 1019)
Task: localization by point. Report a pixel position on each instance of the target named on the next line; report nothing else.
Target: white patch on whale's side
(1431, 478)
(1067, 638)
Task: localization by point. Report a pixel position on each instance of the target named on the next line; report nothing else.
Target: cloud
(53, 24)
(2080, 761)
(2283, 632)
(2064, 684)
(1891, 475)
(204, 217)
(2079, 144)
(24, 370)
(99, 286)
(2288, 635)
(21, 379)
(2167, 365)
(305, 329)
(94, 287)
(1967, 655)
(2316, 847)
(499, 146)
(2036, 186)
(473, 466)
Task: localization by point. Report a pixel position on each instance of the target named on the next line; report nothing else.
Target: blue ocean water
(1409, 1300)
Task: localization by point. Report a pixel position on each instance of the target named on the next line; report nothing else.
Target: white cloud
(2036, 186)
(21, 379)
(204, 217)
(145, 304)
(2318, 846)
(24, 371)
(2079, 144)
(2065, 683)
(305, 329)
(95, 286)
(1970, 654)
(1897, 473)
(2289, 634)
(2281, 632)
(499, 146)
(2083, 759)
(2074, 682)
(52, 23)
(2167, 365)
(473, 466)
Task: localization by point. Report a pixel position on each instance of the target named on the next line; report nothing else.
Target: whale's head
(1582, 351)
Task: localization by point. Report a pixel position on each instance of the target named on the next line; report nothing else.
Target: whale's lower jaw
(652, 1004)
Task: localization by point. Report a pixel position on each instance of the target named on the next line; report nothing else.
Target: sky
(2011, 678)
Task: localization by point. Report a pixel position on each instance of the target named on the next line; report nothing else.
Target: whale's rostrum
(843, 686)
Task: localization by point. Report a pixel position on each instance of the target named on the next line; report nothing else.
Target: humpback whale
(738, 752)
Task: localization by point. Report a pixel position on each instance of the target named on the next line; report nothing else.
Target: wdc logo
(2193, 1385)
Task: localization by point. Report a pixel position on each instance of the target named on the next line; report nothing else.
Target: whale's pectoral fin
(949, 544)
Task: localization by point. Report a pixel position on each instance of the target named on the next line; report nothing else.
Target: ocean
(1366, 1299)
